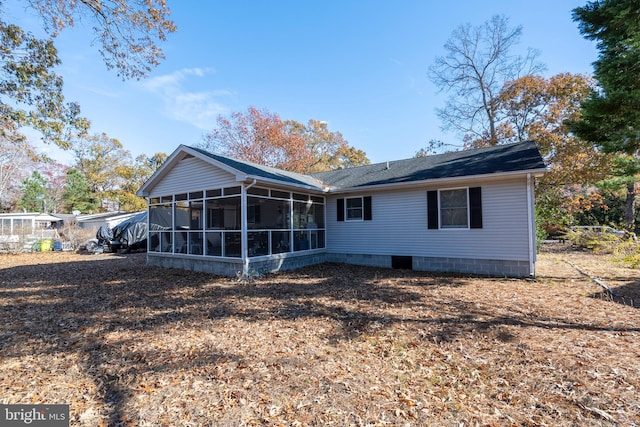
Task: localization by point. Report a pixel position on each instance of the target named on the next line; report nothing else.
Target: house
(22, 230)
(468, 212)
(107, 219)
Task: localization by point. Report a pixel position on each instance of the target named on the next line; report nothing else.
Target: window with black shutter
(368, 216)
(475, 207)
(340, 209)
(354, 209)
(454, 208)
(432, 210)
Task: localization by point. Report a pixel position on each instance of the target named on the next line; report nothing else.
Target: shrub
(598, 241)
(76, 235)
(625, 250)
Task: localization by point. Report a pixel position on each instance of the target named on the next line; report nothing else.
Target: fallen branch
(593, 278)
(597, 411)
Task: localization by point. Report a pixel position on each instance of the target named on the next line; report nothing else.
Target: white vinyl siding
(399, 226)
(192, 174)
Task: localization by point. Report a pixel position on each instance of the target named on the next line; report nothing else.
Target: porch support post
(244, 241)
(243, 232)
(531, 225)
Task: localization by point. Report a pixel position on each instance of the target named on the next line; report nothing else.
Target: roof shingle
(517, 157)
(521, 156)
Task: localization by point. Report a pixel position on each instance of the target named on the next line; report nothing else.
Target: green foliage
(30, 90)
(77, 195)
(631, 260)
(541, 231)
(111, 174)
(552, 214)
(128, 31)
(34, 193)
(609, 210)
(611, 115)
(599, 240)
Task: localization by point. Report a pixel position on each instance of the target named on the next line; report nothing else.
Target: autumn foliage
(537, 108)
(262, 137)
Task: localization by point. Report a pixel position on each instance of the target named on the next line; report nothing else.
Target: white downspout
(531, 222)
(243, 230)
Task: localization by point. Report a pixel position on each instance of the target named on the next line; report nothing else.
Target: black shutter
(340, 209)
(475, 207)
(367, 208)
(432, 210)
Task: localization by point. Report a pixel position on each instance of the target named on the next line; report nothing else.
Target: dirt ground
(128, 345)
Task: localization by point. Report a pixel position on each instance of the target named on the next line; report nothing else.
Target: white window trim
(346, 209)
(440, 227)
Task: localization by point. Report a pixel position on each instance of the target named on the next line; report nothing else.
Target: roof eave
(282, 184)
(449, 180)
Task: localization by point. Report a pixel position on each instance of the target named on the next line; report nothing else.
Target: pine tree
(34, 193)
(77, 195)
(611, 115)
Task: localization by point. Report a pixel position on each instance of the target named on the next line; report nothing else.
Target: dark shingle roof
(265, 172)
(522, 156)
(518, 157)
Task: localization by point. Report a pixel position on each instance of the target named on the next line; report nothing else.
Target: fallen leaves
(125, 344)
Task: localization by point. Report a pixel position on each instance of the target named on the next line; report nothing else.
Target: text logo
(34, 415)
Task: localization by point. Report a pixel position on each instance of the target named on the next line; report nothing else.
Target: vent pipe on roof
(387, 164)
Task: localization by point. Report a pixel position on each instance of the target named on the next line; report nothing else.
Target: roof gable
(242, 170)
(255, 170)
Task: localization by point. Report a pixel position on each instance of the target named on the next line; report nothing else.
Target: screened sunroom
(236, 222)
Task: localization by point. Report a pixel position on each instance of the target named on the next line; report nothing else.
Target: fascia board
(280, 184)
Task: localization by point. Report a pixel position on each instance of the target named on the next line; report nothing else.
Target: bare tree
(478, 61)
(16, 157)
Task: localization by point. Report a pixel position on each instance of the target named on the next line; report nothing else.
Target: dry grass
(125, 344)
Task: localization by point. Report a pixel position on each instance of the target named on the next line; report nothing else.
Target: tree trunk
(629, 207)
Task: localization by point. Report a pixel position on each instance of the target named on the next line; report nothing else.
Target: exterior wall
(192, 174)
(222, 267)
(399, 227)
(232, 267)
(487, 267)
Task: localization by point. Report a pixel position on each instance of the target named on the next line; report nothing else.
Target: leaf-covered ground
(125, 344)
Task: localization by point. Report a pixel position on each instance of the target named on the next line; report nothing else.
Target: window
(354, 209)
(223, 213)
(264, 213)
(454, 208)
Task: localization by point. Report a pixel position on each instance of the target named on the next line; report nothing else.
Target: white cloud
(198, 108)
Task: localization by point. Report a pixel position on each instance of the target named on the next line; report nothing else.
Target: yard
(125, 344)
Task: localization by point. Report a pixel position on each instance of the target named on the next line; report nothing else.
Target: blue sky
(361, 66)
